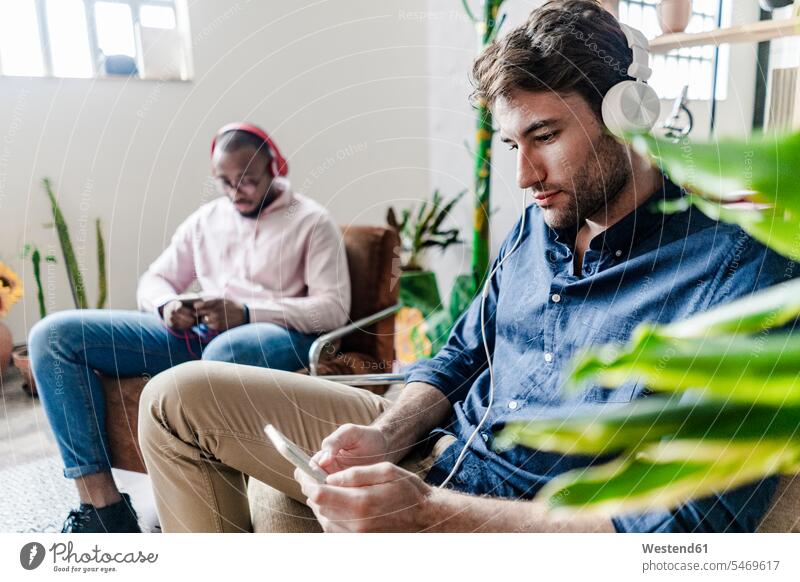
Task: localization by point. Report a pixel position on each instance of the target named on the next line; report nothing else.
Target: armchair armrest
(367, 379)
(319, 344)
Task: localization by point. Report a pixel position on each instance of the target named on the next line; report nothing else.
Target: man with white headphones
(272, 274)
(588, 261)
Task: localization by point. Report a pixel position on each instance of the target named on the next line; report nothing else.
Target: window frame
(683, 54)
(91, 29)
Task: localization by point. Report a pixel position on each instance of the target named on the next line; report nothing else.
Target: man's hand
(219, 314)
(178, 316)
(371, 498)
(351, 445)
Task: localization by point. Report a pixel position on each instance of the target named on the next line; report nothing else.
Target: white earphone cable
(484, 295)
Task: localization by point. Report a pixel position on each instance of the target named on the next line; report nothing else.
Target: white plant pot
(612, 6)
(674, 15)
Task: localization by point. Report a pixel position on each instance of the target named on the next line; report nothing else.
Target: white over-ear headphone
(632, 105)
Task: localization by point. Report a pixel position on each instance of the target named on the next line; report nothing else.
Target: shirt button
(485, 437)
(618, 253)
(548, 357)
(556, 297)
(512, 405)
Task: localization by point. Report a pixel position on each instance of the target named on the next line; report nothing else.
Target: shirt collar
(633, 227)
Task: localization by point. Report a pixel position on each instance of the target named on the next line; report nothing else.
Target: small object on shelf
(770, 5)
(675, 128)
(612, 6)
(674, 15)
(120, 66)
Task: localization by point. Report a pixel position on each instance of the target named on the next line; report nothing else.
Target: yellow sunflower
(10, 289)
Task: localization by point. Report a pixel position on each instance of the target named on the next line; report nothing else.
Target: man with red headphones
(272, 275)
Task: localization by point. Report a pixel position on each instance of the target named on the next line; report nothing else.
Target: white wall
(340, 83)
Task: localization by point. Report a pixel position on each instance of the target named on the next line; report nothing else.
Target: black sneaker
(118, 517)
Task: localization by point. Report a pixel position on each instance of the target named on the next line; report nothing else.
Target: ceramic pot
(6, 347)
(612, 6)
(674, 15)
(23, 364)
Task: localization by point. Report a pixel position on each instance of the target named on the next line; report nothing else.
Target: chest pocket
(598, 327)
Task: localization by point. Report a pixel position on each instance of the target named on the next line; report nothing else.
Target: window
(94, 38)
(693, 66)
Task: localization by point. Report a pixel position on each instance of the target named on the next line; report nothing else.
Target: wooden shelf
(756, 32)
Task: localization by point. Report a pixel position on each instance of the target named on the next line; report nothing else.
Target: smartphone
(188, 299)
(294, 454)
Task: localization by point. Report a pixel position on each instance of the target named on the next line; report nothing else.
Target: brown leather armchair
(365, 346)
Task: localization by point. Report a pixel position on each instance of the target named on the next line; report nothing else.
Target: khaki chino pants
(201, 432)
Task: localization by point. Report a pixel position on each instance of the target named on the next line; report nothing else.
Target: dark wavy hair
(566, 46)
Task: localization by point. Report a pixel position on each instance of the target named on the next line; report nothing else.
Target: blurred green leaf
(659, 478)
(767, 309)
(740, 368)
(745, 424)
(652, 420)
(750, 183)
(775, 227)
(726, 170)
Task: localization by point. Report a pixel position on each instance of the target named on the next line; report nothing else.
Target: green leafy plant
(421, 228)
(74, 275)
(35, 255)
(728, 411)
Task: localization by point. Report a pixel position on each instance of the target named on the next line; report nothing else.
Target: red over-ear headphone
(278, 167)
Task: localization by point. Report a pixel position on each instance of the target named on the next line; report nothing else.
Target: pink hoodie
(289, 266)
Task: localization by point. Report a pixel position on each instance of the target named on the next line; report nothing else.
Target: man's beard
(596, 184)
(266, 200)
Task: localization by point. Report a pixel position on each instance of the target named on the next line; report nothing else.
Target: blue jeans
(67, 348)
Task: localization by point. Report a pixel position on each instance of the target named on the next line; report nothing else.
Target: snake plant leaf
(36, 261)
(762, 169)
(740, 368)
(102, 276)
(74, 274)
(770, 308)
(658, 478)
(651, 421)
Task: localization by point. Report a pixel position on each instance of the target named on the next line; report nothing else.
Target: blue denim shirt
(647, 267)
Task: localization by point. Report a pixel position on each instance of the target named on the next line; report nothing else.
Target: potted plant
(740, 359)
(20, 353)
(11, 291)
(674, 15)
(74, 277)
(423, 317)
